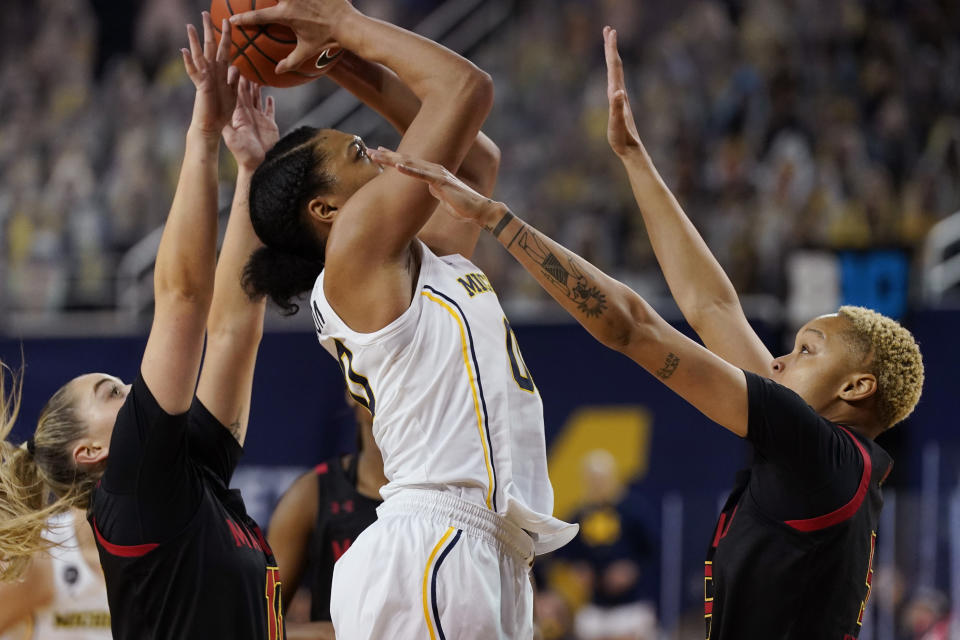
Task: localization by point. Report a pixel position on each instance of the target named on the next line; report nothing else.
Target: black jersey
(342, 514)
(791, 557)
(182, 559)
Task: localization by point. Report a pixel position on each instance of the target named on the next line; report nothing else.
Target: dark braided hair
(280, 190)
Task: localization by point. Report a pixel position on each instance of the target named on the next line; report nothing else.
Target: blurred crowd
(92, 119)
(808, 123)
(799, 123)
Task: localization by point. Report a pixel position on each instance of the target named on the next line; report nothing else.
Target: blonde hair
(39, 482)
(893, 356)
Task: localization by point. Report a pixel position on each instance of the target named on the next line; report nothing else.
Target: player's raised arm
(235, 323)
(380, 89)
(613, 313)
(183, 276)
(702, 290)
(368, 259)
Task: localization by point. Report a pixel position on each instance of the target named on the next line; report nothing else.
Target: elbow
(477, 90)
(628, 323)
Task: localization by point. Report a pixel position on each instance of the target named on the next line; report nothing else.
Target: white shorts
(434, 567)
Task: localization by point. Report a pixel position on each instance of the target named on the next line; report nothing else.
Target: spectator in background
(822, 124)
(611, 557)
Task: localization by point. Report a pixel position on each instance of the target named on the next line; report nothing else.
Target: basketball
(255, 51)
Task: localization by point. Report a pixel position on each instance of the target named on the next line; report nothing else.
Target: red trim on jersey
(708, 608)
(885, 475)
(846, 511)
(321, 468)
(708, 571)
(123, 551)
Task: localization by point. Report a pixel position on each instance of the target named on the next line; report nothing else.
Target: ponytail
(292, 174)
(38, 479)
(280, 276)
(24, 508)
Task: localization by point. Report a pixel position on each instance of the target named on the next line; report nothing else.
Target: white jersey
(455, 408)
(79, 609)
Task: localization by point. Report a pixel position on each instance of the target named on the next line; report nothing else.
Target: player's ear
(322, 210)
(858, 386)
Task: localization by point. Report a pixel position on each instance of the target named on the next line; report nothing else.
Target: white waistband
(474, 519)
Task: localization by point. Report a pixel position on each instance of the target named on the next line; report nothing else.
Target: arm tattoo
(669, 366)
(563, 272)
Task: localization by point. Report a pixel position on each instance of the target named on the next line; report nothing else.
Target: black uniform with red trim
(342, 515)
(181, 557)
(792, 554)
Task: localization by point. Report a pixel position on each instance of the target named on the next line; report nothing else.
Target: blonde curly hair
(894, 358)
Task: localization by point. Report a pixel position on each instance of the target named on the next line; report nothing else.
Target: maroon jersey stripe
(123, 551)
(846, 511)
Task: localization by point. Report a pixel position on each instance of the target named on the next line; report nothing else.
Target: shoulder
(305, 490)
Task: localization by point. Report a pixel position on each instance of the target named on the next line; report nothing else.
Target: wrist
(346, 26)
(200, 138)
(497, 217)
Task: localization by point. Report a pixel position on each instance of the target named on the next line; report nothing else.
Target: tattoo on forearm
(504, 221)
(669, 366)
(564, 273)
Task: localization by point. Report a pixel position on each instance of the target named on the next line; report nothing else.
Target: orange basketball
(255, 51)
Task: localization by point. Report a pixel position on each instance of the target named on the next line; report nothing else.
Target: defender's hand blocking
(621, 127)
(313, 21)
(459, 199)
(216, 81)
(252, 131)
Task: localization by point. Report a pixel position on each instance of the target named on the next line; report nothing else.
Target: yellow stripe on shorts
(426, 582)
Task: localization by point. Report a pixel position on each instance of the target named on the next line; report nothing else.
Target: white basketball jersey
(455, 408)
(79, 609)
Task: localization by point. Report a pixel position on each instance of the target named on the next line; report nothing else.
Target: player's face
(347, 159)
(98, 398)
(819, 363)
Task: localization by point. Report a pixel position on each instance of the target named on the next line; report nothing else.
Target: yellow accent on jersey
(473, 388)
(426, 582)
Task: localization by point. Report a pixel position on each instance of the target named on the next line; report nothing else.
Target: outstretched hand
(313, 21)
(458, 199)
(252, 131)
(621, 127)
(208, 66)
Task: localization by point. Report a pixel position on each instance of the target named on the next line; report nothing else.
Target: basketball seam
(251, 43)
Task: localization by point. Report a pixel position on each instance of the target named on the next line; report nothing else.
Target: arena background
(815, 143)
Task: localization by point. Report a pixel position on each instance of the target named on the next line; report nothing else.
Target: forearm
(622, 320)
(232, 311)
(697, 281)
(187, 254)
(427, 68)
(602, 305)
(382, 90)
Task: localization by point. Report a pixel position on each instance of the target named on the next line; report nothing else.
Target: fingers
(417, 172)
(298, 56)
(209, 40)
(196, 50)
(271, 108)
(188, 64)
(614, 63)
(233, 75)
(385, 157)
(223, 50)
(274, 14)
